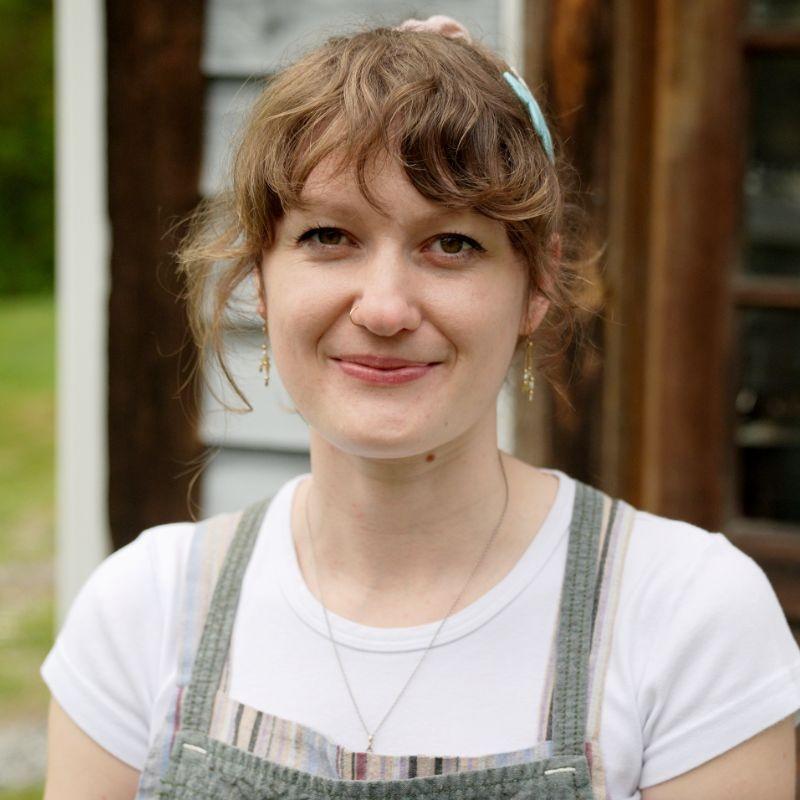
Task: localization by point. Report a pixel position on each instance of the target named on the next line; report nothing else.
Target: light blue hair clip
(524, 93)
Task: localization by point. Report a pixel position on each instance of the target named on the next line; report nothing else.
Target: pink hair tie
(452, 29)
(445, 26)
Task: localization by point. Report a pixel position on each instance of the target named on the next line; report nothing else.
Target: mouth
(385, 371)
(382, 362)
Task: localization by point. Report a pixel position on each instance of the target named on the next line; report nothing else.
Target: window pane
(772, 185)
(768, 406)
(770, 11)
(769, 483)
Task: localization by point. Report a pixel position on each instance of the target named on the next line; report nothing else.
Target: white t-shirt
(702, 657)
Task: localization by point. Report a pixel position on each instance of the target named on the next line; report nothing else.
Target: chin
(378, 436)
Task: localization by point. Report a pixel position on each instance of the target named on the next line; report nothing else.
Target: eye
(456, 245)
(327, 237)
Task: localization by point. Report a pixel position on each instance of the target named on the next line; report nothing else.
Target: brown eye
(327, 237)
(457, 246)
(452, 245)
(330, 236)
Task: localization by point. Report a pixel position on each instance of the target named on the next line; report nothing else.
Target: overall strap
(592, 513)
(213, 649)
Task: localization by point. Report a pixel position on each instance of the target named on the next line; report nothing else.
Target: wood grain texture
(155, 97)
(630, 156)
(695, 213)
(766, 291)
(577, 75)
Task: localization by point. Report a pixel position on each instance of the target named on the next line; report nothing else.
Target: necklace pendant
(369, 744)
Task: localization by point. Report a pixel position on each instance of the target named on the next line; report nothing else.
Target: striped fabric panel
(606, 607)
(209, 548)
(210, 541)
(612, 548)
(291, 744)
(546, 702)
(605, 610)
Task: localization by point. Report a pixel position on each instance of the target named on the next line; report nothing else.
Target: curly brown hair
(442, 107)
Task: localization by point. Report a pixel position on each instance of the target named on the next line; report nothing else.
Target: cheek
(286, 293)
(299, 320)
(294, 329)
(494, 313)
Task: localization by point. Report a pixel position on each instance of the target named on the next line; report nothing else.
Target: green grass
(30, 793)
(27, 410)
(26, 509)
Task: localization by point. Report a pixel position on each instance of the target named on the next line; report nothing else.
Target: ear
(262, 298)
(538, 304)
(535, 313)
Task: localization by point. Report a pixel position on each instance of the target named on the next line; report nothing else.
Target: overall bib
(212, 746)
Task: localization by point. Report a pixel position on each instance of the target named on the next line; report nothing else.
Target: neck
(388, 518)
(387, 531)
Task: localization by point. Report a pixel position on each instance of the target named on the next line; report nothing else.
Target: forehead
(334, 181)
(333, 186)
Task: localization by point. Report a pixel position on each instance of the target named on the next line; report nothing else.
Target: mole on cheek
(430, 457)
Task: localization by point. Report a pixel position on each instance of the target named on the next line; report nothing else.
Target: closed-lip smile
(383, 370)
(381, 362)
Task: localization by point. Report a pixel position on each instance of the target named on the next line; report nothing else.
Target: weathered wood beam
(697, 165)
(154, 107)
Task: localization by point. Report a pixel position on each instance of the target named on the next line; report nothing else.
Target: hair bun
(446, 26)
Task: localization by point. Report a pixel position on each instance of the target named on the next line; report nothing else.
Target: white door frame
(82, 236)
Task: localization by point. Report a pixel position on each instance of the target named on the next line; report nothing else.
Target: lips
(384, 371)
(382, 362)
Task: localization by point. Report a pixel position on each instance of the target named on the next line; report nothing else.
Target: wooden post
(577, 67)
(155, 100)
(630, 178)
(694, 221)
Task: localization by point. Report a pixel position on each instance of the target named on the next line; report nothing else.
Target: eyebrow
(320, 205)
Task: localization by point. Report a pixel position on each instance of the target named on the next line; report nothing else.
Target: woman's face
(439, 288)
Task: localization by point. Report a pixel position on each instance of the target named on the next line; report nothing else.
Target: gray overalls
(199, 759)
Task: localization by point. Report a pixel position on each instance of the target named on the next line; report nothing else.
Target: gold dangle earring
(264, 357)
(528, 378)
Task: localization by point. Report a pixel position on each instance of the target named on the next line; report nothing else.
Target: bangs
(440, 107)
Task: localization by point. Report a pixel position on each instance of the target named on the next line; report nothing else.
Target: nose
(386, 302)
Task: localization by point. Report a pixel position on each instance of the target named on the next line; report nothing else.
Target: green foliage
(26, 147)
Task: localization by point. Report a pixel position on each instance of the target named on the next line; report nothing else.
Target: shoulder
(671, 562)
(131, 596)
(144, 572)
(151, 561)
(681, 582)
(707, 653)
(116, 653)
(135, 592)
(111, 655)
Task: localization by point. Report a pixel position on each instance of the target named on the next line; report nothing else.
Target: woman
(422, 615)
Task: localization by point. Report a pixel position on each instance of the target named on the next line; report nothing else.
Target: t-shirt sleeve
(103, 669)
(724, 667)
